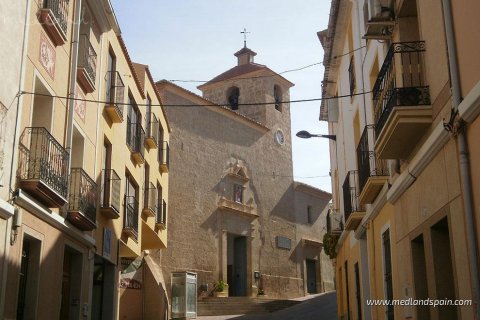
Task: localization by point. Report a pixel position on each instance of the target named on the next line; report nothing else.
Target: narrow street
(318, 307)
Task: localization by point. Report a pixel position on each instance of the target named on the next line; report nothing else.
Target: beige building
(12, 57)
(91, 172)
(238, 215)
(409, 227)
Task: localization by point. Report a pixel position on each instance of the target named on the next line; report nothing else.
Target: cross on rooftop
(244, 37)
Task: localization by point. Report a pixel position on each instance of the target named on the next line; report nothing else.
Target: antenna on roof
(244, 37)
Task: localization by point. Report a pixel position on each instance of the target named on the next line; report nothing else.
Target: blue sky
(195, 40)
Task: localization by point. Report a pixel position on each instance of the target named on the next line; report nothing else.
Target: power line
(256, 77)
(283, 72)
(193, 105)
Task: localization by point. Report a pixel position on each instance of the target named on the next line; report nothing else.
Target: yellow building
(92, 159)
(399, 170)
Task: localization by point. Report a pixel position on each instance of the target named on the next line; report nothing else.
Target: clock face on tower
(279, 137)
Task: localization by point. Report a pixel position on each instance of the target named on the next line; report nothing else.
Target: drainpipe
(463, 157)
(73, 80)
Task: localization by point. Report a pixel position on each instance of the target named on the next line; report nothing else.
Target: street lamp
(307, 135)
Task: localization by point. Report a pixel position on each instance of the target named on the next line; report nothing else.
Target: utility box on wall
(184, 295)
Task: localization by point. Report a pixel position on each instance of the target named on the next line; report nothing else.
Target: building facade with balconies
(406, 226)
(91, 183)
(12, 57)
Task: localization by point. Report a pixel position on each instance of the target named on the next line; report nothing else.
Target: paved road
(318, 307)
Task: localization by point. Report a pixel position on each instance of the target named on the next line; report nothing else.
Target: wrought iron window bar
(350, 194)
(87, 57)
(130, 222)
(369, 165)
(43, 158)
(110, 197)
(135, 137)
(400, 82)
(59, 8)
(161, 217)
(83, 194)
(164, 154)
(115, 91)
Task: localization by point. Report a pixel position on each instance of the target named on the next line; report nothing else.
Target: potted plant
(221, 289)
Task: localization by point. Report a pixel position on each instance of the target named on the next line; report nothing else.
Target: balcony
(164, 157)
(161, 215)
(372, 171)
(130, 222)
(150, 203)
(401, 101)
(354, 211)
(237, 207)
(135, 141)
(379, 20)
(115, 96)
(54, 19)
(43, 167)
(151, 138)
(87, 65)
(82, 202)
(110, 194)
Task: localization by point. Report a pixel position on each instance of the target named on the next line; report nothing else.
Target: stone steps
(240, 305)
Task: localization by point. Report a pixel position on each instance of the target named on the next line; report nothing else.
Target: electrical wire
(193, 105)
(256, 77)
(283, 72)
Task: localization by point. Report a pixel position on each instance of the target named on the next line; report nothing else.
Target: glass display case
(184, 295)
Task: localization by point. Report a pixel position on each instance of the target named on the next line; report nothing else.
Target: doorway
(237, 265)
(71, 284)
(311, 276)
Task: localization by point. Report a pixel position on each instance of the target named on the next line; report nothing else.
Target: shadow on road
(323, 307)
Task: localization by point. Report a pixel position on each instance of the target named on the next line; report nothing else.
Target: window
(233, 95)
(28, 278)
(329, 222)
(277, 94)
(133, 124)
(110, 78)
(387, 272)
(309, 214)
(238, 193)
(351, 76)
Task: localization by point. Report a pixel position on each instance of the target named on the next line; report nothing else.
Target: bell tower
(252, 90)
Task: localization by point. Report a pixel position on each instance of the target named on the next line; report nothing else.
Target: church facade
(235, 212)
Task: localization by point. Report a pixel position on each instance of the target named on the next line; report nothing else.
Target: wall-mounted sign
(132, 273)
(284, 243)
(107, 243)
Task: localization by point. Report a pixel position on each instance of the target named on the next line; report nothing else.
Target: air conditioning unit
(379, 19)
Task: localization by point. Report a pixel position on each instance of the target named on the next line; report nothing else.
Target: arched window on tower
(277, 94)
(232, 95)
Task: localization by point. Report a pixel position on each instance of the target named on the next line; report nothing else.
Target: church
(235, 212)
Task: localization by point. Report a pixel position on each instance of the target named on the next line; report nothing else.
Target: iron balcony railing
(59, 9)
(161, 217)
(401, 81)
(135, 137)
(164, 154)
(83, 194)
(151, 197)
(369, 165)
(115, 90)
(87, 57)
(130, 221)
(43, 158)
(152, 127)
(350, 194)
(110, 197)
